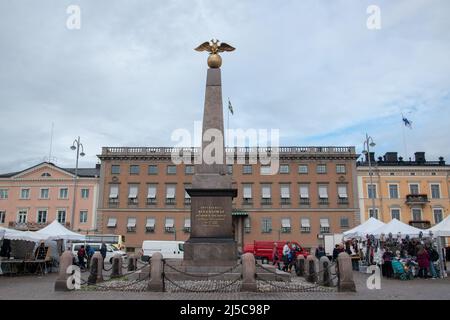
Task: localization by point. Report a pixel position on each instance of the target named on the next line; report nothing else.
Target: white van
(168, 249)
(111, 251)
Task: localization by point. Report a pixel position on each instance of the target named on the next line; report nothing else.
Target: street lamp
(367, 144)
(76, 146)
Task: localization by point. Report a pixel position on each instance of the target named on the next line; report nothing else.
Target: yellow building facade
(415, 192)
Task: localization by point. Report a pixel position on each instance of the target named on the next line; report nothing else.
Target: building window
(187, 225)
(247, 169)
(2, 217)
(265, 170)
(150, 225)
(284, 168)
(437, 214)
(340, 168)
(373, 213)
(285, 194)
(303, 168)
(62, 216)
(247, 225)
(152, 169)
(133, 194)
(265, 194)
(230, 169)
(115, 169)
(435, 191)
(84, 193)
(44, 194)
(42, 216)
(112, 223)
(321, 168)
(324, 225)
(189, 169)
(22, 216)
(416, 214)
(63, 193)
(83, 216)
(285, 225)
(395, 214)
(134, 169)
(131, 225)
(393, 191)
(371, 191)
(151, 194)
(170, 193)
(187, 197)
(46, 174)
(304, 194)
(323, 194)
(247, 194)
(266, 225)
(305, 226)
(114, 194)
(342, 194)
(344, 223)
(170, 225)
(414, 188)
(25, 193)
(171, 169)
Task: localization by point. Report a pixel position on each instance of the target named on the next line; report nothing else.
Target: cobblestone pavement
(29, 287)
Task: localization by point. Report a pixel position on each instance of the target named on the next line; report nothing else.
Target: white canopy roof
(442, 229)
(12, 234)
(363, 229)
(395, 226)
(56, 231)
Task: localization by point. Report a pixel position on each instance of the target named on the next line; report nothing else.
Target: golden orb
(214, 61)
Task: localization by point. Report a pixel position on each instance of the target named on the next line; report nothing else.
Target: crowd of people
(85, 254)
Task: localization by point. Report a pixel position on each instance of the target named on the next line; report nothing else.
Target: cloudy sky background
(312, 69)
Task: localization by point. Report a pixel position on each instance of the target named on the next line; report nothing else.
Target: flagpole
(404, 140)
(228, 122)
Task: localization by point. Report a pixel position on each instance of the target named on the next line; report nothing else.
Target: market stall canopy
(2, 233)
(395, 226)
(442, 229)
(56, 231)
(363, 229)
(12, 234)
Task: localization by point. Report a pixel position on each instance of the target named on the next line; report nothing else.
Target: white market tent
(442, 229)
(56, 231)
(395, 226)
(12, 234)
(363, 229)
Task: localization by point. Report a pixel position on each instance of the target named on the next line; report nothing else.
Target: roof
(82, 172)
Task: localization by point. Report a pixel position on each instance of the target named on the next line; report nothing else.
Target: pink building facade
(35, 197)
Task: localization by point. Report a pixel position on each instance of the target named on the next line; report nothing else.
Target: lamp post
(367, 144)
(76, 146)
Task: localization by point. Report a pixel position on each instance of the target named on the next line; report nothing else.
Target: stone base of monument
(141, 274)
(199, 252)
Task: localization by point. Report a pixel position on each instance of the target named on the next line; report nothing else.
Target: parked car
(168, 249)
(111, 250)
(263, 249)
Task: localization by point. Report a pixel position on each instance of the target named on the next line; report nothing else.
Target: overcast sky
(311, 69)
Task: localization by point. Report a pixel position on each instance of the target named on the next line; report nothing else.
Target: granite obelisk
(211, 241)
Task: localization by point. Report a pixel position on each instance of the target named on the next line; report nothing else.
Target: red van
(263, 249)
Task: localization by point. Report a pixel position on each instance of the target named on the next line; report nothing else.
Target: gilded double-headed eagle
(214, 47)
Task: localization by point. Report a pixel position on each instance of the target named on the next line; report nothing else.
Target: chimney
(441, 161)
(97, 166)
(372, 157)
(390, 157)
(420, 157)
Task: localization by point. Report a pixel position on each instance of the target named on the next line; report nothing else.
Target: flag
(230, 107)
(407, 122)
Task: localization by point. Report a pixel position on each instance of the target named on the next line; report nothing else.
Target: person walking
(81, 255)
(89, 253)
(286, 251)
(434, 256)
(336, 252)
(103, 250)
(423, 259)
(320, 252)
(387, 263)
(275, 256)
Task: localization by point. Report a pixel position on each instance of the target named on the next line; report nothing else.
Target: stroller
(401, 272)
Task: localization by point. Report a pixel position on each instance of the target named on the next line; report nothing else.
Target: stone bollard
(132, 262)
(96, 271)
(300, 266)
(117, 266)
(156, 282)
(345, 273)
(248, 273)
(311, 270)
(65, 261)
(324, 272)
